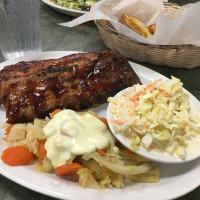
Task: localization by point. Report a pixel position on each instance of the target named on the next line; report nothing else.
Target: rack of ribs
(78, 81)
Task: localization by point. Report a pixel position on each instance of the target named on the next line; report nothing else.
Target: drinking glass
(19, 27)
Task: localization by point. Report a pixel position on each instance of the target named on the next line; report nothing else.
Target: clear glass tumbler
(19, 27)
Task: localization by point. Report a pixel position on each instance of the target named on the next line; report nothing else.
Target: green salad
(83, 5)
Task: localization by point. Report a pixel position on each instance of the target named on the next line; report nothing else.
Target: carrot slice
(18, 155)
(8, 129)
(68, 169)
(104, 120)
(55, 112)
(101, 151)
(42, 150)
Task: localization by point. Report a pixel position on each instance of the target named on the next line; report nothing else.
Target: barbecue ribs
(78, 81)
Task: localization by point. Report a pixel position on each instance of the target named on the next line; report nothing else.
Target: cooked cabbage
(98, 171)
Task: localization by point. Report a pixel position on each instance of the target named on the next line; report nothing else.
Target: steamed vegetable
(103, 168)
(18, 155)
(120, 168)
(68, 169)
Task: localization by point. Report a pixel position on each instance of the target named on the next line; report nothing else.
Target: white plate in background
(64, 10)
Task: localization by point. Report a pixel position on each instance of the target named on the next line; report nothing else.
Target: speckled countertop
(86, 37)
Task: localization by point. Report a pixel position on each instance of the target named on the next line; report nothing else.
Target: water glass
(19, 27)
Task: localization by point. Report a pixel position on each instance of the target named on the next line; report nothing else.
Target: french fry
(152, 28)
(135, 25)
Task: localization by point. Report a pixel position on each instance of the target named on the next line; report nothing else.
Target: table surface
(86, 37)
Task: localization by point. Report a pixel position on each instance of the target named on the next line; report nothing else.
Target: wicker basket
(177, 56)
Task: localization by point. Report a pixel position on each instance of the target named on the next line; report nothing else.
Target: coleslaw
(156, 117)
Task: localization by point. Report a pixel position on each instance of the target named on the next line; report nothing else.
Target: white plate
(176, 180)
(64, 10)
(163, 158)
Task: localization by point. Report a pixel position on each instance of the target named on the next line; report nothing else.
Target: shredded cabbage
(86, 179)
(158, 116)
(120, 168)
(27, 135)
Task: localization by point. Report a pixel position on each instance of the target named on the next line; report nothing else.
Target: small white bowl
(162, 158)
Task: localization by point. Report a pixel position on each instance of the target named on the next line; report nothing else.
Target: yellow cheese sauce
(72, 133)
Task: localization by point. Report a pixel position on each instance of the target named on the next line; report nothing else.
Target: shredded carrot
(8, 129)
(135, 96)
(144, 92)
(136, 103)
(104, 120)
(68, 169)
(147, 124)
(101, 151)
(55, 112)
(150, 87)
(161, 91)
(119, 121)
(165, 94)
(131, 114)
(156, 128)
(5, 139)
(18, 155)
(42, 150)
